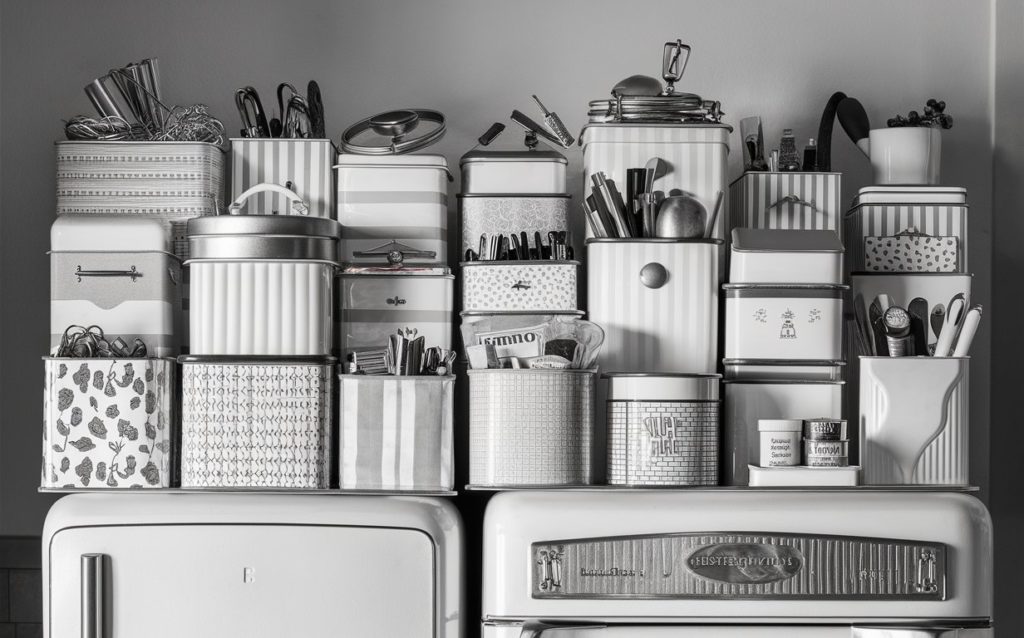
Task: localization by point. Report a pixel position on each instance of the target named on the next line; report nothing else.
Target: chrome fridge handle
(534, 628)
(94, 583)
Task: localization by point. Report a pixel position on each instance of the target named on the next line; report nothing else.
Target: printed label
(521, 342)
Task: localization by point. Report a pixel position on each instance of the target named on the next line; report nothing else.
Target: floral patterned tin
(107, 423)
(519, 286)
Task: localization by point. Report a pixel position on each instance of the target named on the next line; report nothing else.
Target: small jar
(825, 429)
(780, 441)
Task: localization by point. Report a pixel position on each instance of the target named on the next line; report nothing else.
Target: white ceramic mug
(906, 155)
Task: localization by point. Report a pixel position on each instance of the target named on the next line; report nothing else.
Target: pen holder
(530, 427)
(395, 433)
(107, 423)
(914, 420)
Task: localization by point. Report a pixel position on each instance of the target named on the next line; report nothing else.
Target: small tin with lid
(780, 442)
(825, 429)
(663, 429)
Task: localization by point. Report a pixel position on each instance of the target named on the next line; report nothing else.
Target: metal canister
(663, 429)
(825, 429)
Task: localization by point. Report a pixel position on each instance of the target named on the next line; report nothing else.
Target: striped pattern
(260, 307)
(945, 459)
(670, 329)
(753, 194)
(307, 164)
(697, 159)
(396, 433)
(403, 203)
(884, 220)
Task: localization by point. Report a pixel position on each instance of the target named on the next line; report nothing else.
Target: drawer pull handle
(94, 603)
(653, 275)
(132, 273)
(395, 301)
(521, 285)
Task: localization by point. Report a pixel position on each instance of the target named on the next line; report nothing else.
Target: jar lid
(662, 387)
(780, 425)
(263, 237)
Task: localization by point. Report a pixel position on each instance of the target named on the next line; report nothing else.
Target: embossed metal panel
(739, 565)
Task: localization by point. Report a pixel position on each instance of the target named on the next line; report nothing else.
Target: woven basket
(530, 427)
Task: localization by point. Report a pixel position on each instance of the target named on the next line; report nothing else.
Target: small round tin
(825, 448)
(825, 429)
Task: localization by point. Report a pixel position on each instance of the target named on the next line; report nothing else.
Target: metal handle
(534, 628)
(94, 582)
(131, 273)
(796, 201)
(298, 206)
(926, 577)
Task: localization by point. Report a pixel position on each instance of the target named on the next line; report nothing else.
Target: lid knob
(394, 124)
(653, 275)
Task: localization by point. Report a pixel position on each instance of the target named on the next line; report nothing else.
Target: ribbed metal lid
(263, 237)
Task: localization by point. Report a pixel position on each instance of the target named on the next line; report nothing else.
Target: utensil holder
(530, 427)
(790, 200)
(395, 433)
(914, 420)
(256, 423)
(519, 286)
(108, 423)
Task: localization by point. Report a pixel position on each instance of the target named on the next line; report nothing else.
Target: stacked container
(395, 433)
(256, 392)
(910, 242)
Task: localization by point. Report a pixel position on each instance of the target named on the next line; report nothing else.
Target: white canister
(262, 284)
(780, 441)
(383, 198)
(657, 300)
(695, 157)
(747, 402)
(537, 171)
(784, 322)
(914, 420)
(906, 154)
(663, 429)
(789, 200)
(785, 256)
(519, 286)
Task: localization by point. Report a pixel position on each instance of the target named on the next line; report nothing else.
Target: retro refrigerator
(251, 565)
(737, 564)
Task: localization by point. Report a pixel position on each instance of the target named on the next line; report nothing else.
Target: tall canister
(657, 300)
(663, 429)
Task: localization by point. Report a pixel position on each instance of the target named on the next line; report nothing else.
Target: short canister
(663, 429)
(825, 429)
(780, 441)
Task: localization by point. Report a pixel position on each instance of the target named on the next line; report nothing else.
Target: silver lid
(263, 237)
(486, 155)
(623, 386)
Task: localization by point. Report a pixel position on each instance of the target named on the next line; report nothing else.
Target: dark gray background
(476, 61)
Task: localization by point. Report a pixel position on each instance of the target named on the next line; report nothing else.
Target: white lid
(662, 387)
(780, 425)
(405, 160)
(108, 233)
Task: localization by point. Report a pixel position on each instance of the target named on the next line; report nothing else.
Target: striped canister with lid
(663, 429)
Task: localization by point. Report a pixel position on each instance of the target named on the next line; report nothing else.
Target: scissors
(250, 109)
(296, 121)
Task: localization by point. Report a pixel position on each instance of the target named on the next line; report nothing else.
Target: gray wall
(474, 60)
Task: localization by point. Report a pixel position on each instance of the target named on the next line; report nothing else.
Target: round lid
(394, 132)
(519, 155)
(662, 387)
(292, 225)
(780, 425)
(284, 237)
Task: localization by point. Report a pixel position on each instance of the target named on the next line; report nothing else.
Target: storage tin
(780, 442)
(910, 195)
(821, 429)
(914, 420)
(375, 305)
(911, 251)
(108, 423)
(663, 429)
(262, 285)
(759, 369)
(786, 257)
(256, 422)
(180, 179)
(530, 427)
(304, 166)
(657, 300)
(395, 433)
(747, 402)
(780, 322)
(519, 286)
(791, 200)
(401, 198)
(508, 214)
(887, 220)
(538, 171)
(696, 156)
(114, 272)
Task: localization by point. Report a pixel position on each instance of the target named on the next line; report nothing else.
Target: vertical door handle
(94, 584)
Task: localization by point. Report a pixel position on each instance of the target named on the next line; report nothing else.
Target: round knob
(394, 123)
(653, 275)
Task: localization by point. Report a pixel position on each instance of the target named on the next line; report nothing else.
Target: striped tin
(302, 165)
(377, 305)
(886, 220)
(519, 286)
(402, 198)
(696, 155)
(914, 420)
(657, 300)
(780, 200)
(395, 433)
